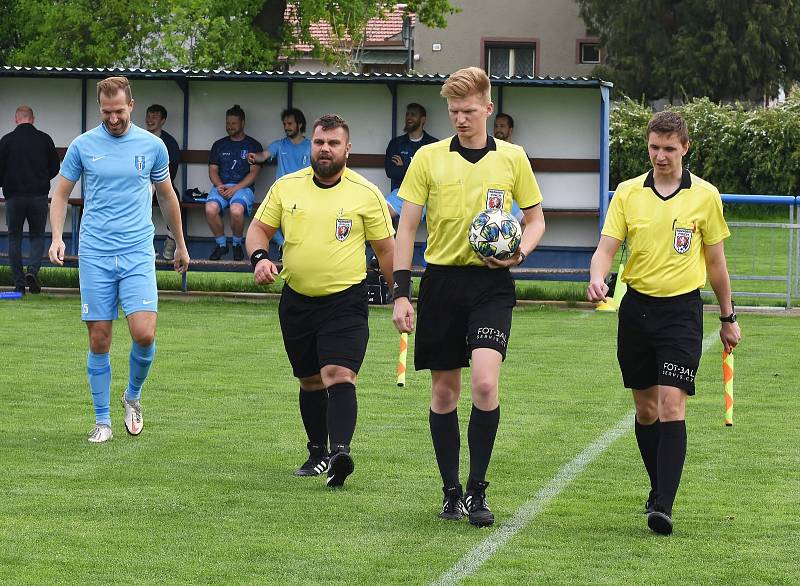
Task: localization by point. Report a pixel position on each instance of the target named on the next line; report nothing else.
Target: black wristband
(257, 256)
(402, 284)
(522, 257)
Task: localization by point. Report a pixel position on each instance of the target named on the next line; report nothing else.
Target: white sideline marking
(476, 557)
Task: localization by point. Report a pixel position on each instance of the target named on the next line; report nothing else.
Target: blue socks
(221, 241)
(99, 371)
(140, 360)
(238, 240)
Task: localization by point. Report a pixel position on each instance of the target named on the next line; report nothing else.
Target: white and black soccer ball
(495, 233)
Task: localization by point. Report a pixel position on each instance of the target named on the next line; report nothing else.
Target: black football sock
(671, 456)
(314, 411)
(342, 413)
(446, 444)
(481, 433)
(647, 439)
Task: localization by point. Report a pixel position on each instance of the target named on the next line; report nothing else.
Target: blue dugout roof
(221, 74)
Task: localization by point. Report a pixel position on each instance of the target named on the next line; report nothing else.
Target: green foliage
(203, 34)
(723, 49)
(627, 144)
(736, 149)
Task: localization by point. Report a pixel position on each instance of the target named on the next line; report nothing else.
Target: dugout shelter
(562, 122)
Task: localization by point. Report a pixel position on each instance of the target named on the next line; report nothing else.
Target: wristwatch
(728, 319)
(522, 257)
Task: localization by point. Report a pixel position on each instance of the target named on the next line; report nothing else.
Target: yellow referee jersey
(455, 191)
(325, 229)
(666, 234)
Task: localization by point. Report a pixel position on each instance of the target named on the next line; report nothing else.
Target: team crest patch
(243, 154)
(494, 199)
(343, 229)
(683, 240)
(139, 160)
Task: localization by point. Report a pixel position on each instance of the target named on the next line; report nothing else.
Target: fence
(764, 252)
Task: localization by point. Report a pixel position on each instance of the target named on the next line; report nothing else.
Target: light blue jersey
(291, 157)
(117, 173)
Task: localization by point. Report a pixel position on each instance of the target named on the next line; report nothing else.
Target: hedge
(739, 150)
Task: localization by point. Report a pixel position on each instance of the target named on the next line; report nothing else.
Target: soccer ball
(495, 233)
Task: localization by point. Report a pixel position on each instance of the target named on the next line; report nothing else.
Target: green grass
(206, 494)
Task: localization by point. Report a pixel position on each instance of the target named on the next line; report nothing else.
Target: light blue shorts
(110, 281)
(396, 202)
(243, 197)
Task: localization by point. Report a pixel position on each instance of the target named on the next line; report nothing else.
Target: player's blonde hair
(467, 82)
(111, 85)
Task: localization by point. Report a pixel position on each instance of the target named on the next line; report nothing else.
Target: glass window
(590, 53)
(511, 60)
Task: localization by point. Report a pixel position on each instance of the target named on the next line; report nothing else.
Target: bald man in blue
(119, 162)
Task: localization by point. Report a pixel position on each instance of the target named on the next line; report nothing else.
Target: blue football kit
(291, 157)
(230, 157)
(116, 235)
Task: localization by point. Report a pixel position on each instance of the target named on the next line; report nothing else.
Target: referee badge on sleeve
(343, 229)
(683, 240)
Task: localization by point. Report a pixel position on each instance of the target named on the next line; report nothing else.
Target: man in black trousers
(28, 161)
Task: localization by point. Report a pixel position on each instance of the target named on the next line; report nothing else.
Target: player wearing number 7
(465, 303)
(675, 230)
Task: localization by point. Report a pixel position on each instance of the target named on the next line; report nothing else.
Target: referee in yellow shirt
(327, 214)
(465, 303)
(675, 230)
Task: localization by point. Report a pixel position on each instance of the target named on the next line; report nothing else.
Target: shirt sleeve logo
(343, 229)
(494, 199)
(140, 162)
(683, 240)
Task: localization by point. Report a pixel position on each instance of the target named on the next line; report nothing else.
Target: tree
(723, 49)
(229, 34)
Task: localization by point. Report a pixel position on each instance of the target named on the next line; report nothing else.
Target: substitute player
(465, 302)
(118, 161)
(327, 213)
(675, 230)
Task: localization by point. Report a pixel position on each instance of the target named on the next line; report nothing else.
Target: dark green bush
(737, 149)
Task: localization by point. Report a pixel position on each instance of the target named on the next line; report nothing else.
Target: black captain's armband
(257, 256)
(402, 284)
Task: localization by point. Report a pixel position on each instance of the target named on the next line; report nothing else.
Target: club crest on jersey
(683, 240)
(243, 154)
(343, 229)
(494, 199)
(139, 159)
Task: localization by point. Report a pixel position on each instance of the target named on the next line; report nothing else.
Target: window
(589, 52)
(505, 58)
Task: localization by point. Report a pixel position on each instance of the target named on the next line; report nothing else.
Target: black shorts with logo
(660, 340)
(461, 308)
(318, 331)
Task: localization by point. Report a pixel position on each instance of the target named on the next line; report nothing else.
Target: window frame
(579, 43)
(488, 43)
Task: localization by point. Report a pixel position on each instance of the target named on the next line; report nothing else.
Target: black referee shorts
(318, 331)
(461, 309)
(660, 340)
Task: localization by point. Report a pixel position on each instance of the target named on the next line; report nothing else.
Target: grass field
(206, 495)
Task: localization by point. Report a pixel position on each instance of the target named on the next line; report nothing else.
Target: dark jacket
(28, 161)
(406, 148)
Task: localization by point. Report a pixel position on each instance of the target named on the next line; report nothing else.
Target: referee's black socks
(671, 456)
(314, 411)
(481, 434)
(446, 444)
(647, 438)
(342, 412)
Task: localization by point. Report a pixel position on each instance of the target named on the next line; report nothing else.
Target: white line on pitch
(476, 557)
